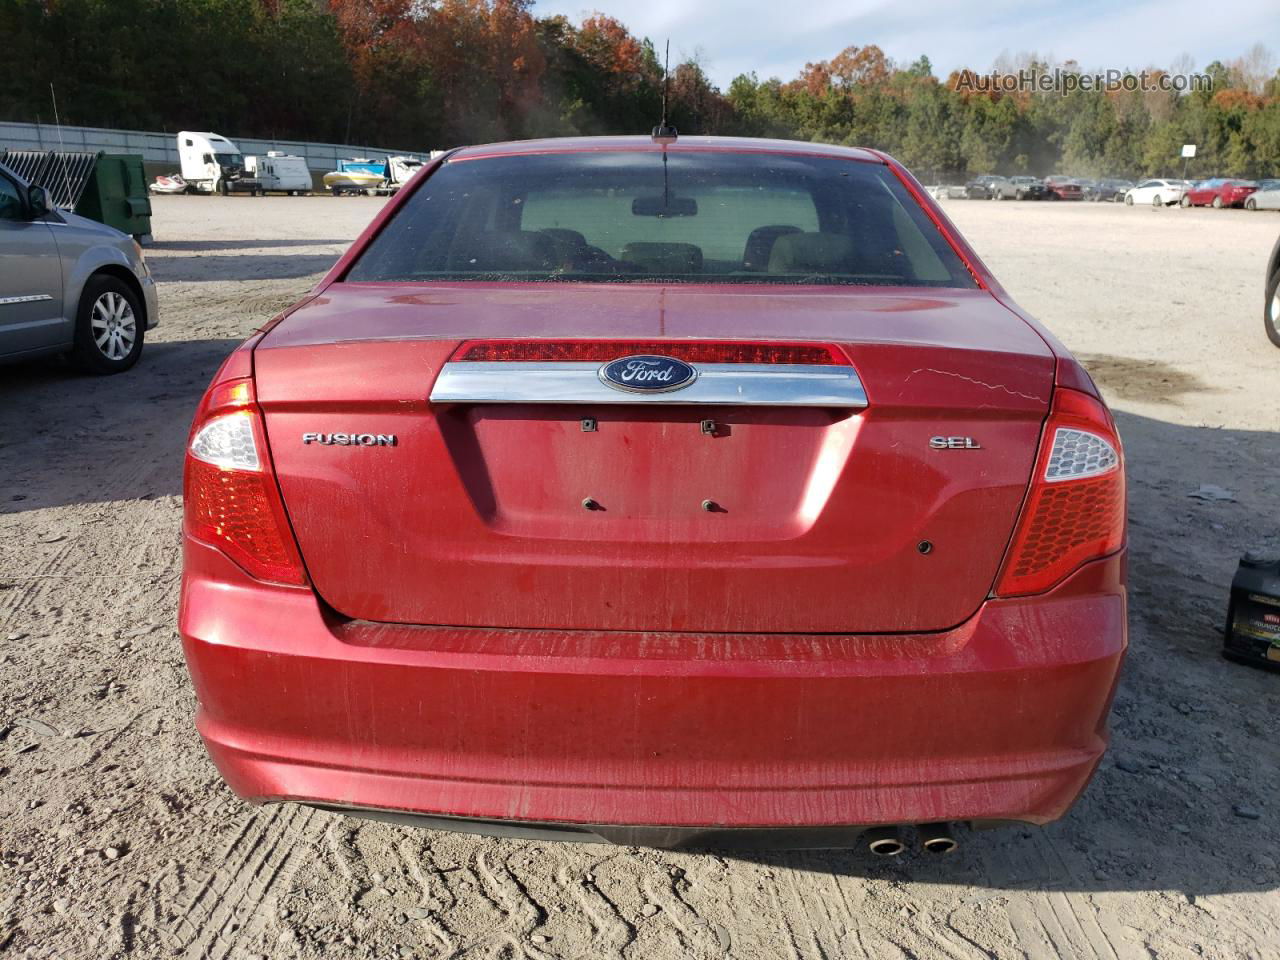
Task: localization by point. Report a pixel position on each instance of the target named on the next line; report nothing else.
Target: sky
(778, 38)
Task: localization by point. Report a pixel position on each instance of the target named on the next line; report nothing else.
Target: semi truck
(213, 164)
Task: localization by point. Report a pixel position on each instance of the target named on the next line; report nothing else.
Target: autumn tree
(421, 74)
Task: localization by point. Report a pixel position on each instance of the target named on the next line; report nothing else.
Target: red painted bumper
(1002, 718)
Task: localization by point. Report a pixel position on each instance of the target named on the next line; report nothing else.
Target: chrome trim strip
(739, 384)
(32, 298)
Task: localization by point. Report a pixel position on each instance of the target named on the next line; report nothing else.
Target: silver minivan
(68, 284)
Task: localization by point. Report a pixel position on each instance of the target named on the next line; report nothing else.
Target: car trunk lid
(880, 502)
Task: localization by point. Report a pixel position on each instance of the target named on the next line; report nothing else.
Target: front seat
(812, 253)
(664, 259)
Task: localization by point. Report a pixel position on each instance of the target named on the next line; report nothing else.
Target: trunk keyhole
(591, 504)
(925, 547)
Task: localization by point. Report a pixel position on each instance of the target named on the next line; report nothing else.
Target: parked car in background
(1266, 197)
(1219, 192)
(1156, 193)
(955, 191)
(1027, 188)
(980, 188)
(1002, 188)
(69, 284)
(1271, 298)
(1062, 188)
(631, 608)
(1110, 190)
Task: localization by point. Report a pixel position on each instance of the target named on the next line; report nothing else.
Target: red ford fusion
(658, 492)
(1219, 193)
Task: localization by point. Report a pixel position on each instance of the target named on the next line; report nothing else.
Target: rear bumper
(1003, 718)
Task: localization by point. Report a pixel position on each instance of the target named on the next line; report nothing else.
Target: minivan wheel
(109, 327)
(1271, 312)
(1128, 200)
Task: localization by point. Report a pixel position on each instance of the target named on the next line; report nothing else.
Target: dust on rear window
(642, 216)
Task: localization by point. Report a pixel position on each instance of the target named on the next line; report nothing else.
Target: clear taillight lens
(227, 442)
(1075, 509)
(1076, 454)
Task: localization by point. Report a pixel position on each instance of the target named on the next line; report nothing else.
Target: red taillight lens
(690, 351)
(1075, 510)
(229, 488)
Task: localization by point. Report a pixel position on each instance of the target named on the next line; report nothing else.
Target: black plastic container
(1253, 616)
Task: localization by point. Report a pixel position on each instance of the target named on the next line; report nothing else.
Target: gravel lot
(118, 839)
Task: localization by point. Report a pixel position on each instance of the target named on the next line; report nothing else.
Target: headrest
(562, 235)
(503, 251)
(755, 256)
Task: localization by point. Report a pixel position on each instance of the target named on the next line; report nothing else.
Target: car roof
(683, 144)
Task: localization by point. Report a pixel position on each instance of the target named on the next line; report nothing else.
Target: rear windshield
(695, 217)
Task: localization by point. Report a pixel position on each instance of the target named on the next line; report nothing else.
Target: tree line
(425, 74)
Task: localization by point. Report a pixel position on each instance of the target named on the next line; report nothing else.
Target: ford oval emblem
(648, 374)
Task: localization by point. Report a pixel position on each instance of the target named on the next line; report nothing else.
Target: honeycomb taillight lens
(1075, 509)
(230, 497)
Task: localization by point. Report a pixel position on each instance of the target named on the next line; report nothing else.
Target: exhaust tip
(937, 838)
(884, 842)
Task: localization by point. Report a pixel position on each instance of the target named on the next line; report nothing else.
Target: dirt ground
(117, 837)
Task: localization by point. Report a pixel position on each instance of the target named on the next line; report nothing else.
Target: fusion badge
(647, 374)
(351, 439)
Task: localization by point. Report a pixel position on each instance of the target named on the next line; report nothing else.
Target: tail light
(229, 487)
(1075, 510)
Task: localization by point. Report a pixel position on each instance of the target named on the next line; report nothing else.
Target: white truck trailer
(280, 172)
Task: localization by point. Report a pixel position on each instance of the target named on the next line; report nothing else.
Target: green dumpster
(108, 187)
(117, 194)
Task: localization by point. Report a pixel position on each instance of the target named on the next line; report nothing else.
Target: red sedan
(660, 493)
(1062, 188)
(1219, 193)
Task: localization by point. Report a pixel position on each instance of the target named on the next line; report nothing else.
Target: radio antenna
(66, 177)
(665, 133)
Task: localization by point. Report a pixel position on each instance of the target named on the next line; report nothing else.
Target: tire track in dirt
(773, 892)
(221, 908)
(809, 936)
(433, 895)
(19, 590)
(701, 937)
(611, 934)
(525, 914)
